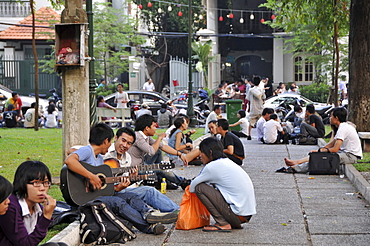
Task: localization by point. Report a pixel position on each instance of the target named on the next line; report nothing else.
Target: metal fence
(179, 76)
(19, 75)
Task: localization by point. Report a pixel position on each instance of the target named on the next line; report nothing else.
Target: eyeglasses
(39, 183)
(124, 140)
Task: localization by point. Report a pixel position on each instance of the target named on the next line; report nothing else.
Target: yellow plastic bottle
(163, 186)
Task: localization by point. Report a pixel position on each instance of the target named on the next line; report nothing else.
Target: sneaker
(249, 138)
(156, 229)
(159, 217)
(185, 183)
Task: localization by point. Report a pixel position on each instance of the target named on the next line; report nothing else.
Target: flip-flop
(219, 229)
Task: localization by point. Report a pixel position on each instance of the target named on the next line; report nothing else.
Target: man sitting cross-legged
(127, 204)
(145, 145)
(345, 142)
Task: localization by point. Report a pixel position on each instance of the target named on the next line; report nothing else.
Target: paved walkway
(292, 209)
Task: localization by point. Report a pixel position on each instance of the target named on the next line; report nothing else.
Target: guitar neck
(110, 180)
(139, 167)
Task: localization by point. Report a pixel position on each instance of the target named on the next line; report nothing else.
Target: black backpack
(63, 213)
(100, 226)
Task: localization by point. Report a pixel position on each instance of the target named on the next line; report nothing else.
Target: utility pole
(76, 126)
(190, 111)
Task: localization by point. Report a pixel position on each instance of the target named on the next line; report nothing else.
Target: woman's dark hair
(212, 148)
(341, 113)
(241, 113)
(120, 85)
(177, 123)
(5, 188)
(126, 130)
(146, 120)
(100, 98)
(51, 108)
(26, 172)
(100, 132)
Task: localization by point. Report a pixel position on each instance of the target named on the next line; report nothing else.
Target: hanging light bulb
(140, 6)
(231, 15)
(150, 4)
(251, 16)
(273, 17)
(200, 17)
(169, 8)
(241, 20)
(179, 13)
(159, 10)
(220, 18)
(262, 20)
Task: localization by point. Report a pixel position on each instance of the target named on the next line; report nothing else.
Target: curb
(354, 176)
(69, 235)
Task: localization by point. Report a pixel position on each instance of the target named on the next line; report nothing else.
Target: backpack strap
(103, 232)
(123, 228)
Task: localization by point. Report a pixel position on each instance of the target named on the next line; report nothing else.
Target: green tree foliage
(170, 21)
(317, 27)
(114, 32)
(317, 92)
(202, 54)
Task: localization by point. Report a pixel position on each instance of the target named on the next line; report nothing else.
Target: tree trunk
(359, 64)
(36, 119)
(337, 60)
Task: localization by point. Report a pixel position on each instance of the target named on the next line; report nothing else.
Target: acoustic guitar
(116, 169)
(77, 190)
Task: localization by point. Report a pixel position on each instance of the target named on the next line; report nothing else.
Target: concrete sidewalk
(292, 209)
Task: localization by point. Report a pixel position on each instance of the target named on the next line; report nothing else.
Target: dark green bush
(317, 92)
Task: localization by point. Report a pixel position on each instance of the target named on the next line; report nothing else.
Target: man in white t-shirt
(345, 142)
(121, 97)
(149, 86)
(29, 116)
(261, 121)
(272, 130)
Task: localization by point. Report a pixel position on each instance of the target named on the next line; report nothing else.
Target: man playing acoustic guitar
(127, 204)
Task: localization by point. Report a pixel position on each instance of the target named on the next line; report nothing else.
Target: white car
(6, 93)
(289, 99)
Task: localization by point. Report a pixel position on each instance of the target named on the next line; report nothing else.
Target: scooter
(57, 100)
(201, 111)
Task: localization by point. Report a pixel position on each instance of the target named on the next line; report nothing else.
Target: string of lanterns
(220, 18)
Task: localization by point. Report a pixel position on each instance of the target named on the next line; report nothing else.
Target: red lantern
(220, 18)
(262, 20)
(150, 4)
(140, 6)
(273, 17)
(231, 15)
(179, 13)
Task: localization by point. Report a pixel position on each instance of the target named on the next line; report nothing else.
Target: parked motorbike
(201, 111)
(57, 99)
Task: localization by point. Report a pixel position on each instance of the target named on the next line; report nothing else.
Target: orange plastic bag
(193, 214)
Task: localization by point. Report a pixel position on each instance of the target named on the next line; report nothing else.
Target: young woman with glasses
(26, 221)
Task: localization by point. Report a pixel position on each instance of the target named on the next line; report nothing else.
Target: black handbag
(324, 163)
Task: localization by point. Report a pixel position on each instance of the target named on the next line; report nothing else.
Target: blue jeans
(130, 207)
(156, 158)
(153, 198)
